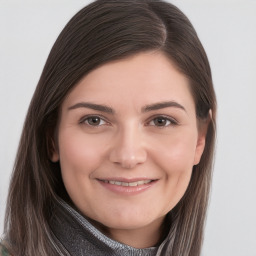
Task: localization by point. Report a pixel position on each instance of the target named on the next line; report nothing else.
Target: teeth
(128, 184)
(133, 184)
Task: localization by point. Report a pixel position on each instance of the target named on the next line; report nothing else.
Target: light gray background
(227, 29)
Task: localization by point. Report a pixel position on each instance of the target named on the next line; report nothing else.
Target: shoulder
(3, 251)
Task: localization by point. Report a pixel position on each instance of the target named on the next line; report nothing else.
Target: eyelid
(172, 120)
(84, 118)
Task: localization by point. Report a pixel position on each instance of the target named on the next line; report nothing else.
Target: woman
(116, 153)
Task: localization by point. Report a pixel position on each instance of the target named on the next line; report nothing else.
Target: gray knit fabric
(78, 237)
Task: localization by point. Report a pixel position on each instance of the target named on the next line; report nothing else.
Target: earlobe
(55, 157)
(199, 149)
(202, 133)
(53, 152)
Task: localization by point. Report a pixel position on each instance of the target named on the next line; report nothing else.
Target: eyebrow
(161, 105)
(102, 108)
(147, 108)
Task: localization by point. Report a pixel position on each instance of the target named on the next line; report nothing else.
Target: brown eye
(94, 121)
(161, 121)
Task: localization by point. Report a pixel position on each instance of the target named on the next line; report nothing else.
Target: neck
(139, 238)
(75, 235)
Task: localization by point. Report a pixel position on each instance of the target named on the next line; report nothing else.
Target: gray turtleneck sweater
(75, 236)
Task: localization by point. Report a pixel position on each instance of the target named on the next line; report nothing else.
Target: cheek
(79, 155)
(175, 154)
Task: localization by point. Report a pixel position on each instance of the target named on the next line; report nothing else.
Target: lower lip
(127, 190)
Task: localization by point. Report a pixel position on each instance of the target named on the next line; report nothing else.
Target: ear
(55, 157)
(53, 150)
(202, 132)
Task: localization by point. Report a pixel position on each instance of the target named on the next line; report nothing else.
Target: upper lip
(128, 180)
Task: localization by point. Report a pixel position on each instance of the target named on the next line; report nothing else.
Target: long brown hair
(103, 31)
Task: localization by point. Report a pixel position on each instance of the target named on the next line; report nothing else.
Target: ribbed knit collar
(78, 237)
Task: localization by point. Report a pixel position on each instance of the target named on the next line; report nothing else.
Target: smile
(128, 184)
(127, 187)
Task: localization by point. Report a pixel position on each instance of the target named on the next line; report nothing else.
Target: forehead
(140, 79)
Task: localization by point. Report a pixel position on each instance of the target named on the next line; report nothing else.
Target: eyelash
(171, 121)
(168, 120)
(85, 119)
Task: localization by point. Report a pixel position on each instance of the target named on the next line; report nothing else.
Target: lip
(127, 190)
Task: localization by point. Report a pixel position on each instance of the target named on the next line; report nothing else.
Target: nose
(128, 149)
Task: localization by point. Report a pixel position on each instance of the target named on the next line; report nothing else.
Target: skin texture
(130, 143)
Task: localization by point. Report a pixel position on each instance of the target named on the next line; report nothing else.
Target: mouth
(127, 186)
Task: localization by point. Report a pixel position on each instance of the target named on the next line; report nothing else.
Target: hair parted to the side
(103, 31)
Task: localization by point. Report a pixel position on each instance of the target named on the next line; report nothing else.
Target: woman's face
(127, 141)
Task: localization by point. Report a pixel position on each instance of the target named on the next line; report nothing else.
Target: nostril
(128, 161)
